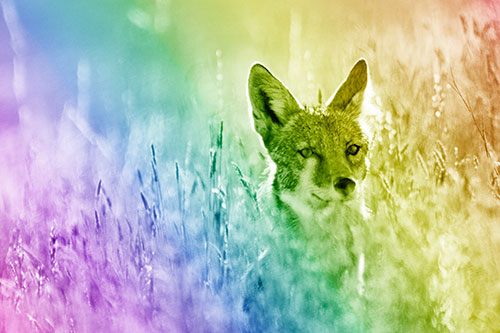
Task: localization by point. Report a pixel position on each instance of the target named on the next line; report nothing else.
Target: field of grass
(160, 226)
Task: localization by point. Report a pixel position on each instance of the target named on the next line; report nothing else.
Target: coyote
(318, 162)
(319, 152)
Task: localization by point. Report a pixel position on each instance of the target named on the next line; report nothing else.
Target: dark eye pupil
(353, 149)
(306, 152)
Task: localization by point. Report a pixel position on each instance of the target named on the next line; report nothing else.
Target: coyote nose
(344, 186)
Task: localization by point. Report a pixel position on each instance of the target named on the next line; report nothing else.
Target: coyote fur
(319, 152)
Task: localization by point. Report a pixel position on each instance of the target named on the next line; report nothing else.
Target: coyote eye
(352, 149)
(306, 152)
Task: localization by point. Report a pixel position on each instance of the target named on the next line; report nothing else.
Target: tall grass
(187, 244)
(433, 190)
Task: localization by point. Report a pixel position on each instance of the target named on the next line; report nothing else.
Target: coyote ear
(272, 103)
(355, 83)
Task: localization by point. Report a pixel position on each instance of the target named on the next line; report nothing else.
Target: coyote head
(320, 152)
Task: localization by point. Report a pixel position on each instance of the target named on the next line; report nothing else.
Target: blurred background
(129, 169)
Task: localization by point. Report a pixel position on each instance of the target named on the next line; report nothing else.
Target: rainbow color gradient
(130, 174)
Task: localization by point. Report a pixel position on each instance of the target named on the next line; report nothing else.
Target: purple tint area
(73, 256)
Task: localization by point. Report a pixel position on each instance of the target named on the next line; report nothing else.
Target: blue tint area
(8, 103)
(123, 60)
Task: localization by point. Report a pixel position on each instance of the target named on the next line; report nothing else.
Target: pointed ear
(354, 84)
(272, 103)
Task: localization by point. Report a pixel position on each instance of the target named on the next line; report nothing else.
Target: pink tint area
(76, 251)
(10, 320)
(8, 104)
(47, 192)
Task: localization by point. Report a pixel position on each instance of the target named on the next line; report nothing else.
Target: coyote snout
(344, 186)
